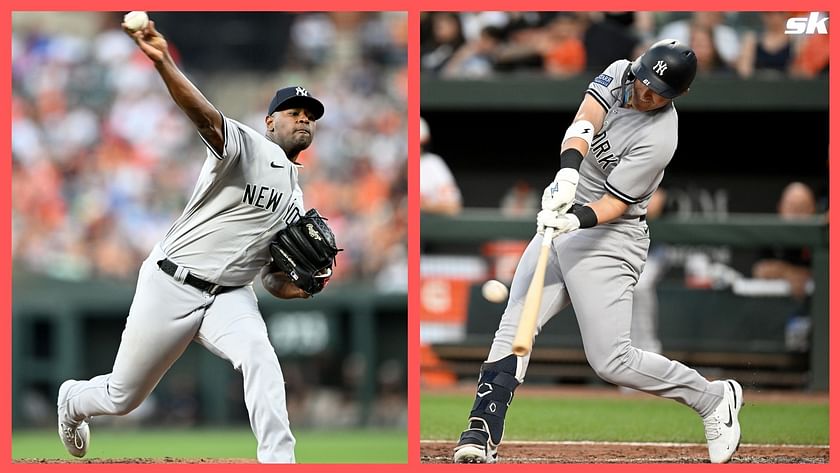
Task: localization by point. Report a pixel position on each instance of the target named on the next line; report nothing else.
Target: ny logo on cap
(301, 91)
(660, 67)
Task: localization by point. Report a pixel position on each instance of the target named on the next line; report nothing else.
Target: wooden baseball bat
(531, 308)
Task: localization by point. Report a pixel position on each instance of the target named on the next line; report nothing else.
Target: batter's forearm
(205, 117)
(608, 208)
(587, 122)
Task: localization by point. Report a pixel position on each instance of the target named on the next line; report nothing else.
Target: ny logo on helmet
(301, 91)
(660, 67)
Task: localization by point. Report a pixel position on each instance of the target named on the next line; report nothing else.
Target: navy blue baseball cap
(296, 96)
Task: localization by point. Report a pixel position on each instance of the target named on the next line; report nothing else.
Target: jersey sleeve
(602, 87)
(234, 135)
(638, 173)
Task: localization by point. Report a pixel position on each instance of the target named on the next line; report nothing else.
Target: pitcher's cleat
(74, 436)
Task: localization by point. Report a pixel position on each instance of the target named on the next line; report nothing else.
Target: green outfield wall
(755, 325)
(71, 329)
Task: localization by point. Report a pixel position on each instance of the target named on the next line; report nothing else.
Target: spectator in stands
(709, 60)
(520, 200)
(611, 36)
(790, 264)
(526, 21)
(768, 52)
(555, 48)
(446, 36)
(812, 57)
(476, 58)
(562, 48)
(93, 130)
(315, 36)
(725, 38)
(438, 191)
(473, 23)
(520, 49)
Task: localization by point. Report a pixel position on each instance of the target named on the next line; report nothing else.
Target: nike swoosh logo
(729, 423)
(734, 392)
(275, 165)
(735, 399)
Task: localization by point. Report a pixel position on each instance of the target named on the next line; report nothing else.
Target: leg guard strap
(474, 437)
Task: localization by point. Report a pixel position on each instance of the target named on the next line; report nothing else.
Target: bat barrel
(524, 340)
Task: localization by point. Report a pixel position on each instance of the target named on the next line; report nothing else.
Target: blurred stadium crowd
(736, 44)
(103, 160)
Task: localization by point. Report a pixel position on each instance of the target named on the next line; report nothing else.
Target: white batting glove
(560, 194)
(561, 222)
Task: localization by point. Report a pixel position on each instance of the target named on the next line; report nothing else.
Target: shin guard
(496, 384)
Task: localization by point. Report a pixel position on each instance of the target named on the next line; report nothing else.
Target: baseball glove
(305, 250)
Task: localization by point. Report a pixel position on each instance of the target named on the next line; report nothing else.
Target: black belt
(170, 268)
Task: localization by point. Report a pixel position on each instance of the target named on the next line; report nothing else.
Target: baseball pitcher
(245, 217)
(612, 160)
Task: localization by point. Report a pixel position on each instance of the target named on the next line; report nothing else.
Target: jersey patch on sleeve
(603, 80)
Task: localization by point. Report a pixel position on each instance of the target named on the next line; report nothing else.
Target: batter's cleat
(474, 446)
(75, 436)
(723, 432)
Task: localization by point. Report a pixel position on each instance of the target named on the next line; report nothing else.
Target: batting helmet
(667, 68)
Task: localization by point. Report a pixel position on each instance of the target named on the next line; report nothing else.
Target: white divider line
(632, 444)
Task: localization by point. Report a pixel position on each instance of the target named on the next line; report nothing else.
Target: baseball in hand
(136, 20)
(494, 291)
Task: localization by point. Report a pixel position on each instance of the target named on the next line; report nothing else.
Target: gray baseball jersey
(596, 269)
(242, 198)
(628, 156)
(253, 182)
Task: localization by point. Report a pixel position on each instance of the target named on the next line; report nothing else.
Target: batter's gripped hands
(560, 222)
(150, 41)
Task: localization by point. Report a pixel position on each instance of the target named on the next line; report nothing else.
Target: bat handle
(548, 236)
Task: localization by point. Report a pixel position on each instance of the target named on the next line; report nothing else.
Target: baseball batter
(196, 284)
(612, 159)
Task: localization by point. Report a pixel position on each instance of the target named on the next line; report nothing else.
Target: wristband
(571, 158)
(586, 215)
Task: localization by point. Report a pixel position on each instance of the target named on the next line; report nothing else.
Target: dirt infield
(617, 452)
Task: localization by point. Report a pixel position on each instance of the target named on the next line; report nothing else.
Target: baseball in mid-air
(494, 291)
(136, 20)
